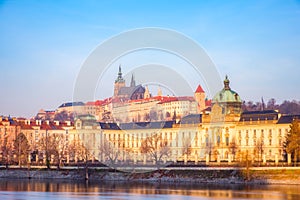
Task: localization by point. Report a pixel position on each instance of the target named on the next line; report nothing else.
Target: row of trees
(286, 107)
(54, 148)
(50, 148)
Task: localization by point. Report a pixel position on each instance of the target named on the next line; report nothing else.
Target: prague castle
(189, 128)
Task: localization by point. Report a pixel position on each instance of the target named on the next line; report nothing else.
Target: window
(227, 141)
(279, 141)
(206, 141)
(218, 140)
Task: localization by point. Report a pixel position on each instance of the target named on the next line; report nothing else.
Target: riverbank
(207, 175)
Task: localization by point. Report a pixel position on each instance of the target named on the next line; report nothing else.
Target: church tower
(147, 93)
(200, 99)
(119, 82)
(132, 82)
(159, 92)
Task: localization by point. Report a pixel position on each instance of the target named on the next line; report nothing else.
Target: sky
(43, 45)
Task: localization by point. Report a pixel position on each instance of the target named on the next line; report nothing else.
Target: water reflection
(33, 189)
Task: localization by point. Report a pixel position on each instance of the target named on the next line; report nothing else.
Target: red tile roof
(208, 103)
(199, 89)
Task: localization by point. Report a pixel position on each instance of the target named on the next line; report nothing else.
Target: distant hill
(286, 107)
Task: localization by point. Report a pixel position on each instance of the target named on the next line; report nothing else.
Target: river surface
(62, 190)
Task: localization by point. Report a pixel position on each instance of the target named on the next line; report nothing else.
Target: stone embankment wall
(223, 176)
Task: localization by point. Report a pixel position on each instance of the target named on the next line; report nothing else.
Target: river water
(61, 190)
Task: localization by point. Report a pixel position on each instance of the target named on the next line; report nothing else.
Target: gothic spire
(132, 83)
(119, 78)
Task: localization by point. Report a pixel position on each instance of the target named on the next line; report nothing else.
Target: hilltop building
(132, 92)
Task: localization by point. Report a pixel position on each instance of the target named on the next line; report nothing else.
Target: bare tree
(6, 150)
(53, 145)
(21, 148)
(186, 147)
(209, 149)
(153, 115)
(109, 152)
(77, 150)
(156, 147)
(233, 148)
(259, 148)
(246, 161)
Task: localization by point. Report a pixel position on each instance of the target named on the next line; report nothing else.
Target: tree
(55, 146)
(153, 115)
(186, 147)
(168, 115)
(292, 143)
(109, 152)
(271, 105)
(209, 148)
(174, 116)
(6, 150)
(259, 149)
(233, 148)
(156, 147)
(21, 148)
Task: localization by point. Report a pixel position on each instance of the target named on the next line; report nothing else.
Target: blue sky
(44, 43)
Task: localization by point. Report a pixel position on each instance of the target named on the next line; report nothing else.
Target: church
(132, 92)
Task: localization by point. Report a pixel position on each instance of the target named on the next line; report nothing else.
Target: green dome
(226, 95)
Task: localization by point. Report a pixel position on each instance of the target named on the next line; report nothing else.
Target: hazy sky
(44, 43)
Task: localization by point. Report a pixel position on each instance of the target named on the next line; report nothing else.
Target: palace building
(226, 134)
(143, 129)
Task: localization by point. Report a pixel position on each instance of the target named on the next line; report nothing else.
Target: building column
(144, 159)
(218, 159)
(207, 158)
(185, 158)
(229, 158)
(276, 159)
(264, 159)
(52, 158)
(289, 158)
(36, 158)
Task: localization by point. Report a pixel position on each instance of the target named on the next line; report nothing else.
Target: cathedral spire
(119, 78)
(132, 83)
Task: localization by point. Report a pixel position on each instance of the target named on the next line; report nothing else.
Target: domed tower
(229, 101)
(119, 82)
